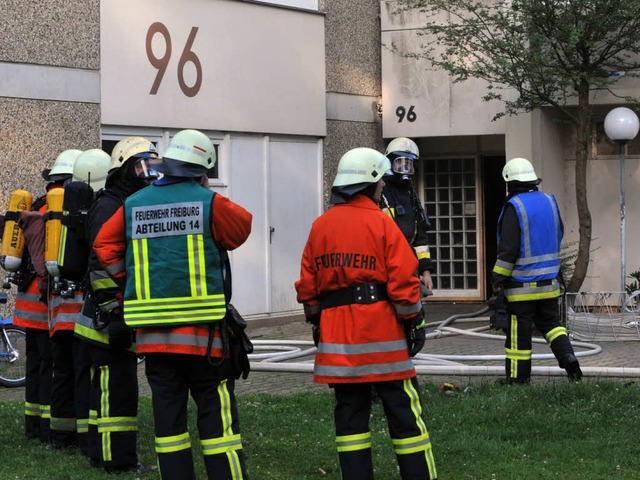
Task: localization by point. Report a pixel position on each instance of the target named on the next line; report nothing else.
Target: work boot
(137, 468)
(572, 366)
(514, 381)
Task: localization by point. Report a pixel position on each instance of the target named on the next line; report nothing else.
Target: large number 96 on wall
(161, 60)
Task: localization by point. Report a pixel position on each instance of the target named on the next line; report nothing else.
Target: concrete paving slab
(617, 355)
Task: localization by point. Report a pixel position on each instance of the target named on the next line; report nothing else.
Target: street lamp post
(621, 126)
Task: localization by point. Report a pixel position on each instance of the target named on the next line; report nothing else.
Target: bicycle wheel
(13, 358)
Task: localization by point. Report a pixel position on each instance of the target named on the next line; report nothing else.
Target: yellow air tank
(53, 229)
(12, 237)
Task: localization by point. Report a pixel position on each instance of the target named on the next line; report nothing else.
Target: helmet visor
(403, 165)
(142, 169)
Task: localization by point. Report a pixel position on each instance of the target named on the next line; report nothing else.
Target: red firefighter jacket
(29, 311)
(231, 226)
(64, 311)
(352, 243)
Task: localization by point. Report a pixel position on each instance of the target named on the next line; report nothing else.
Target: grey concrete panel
(51, 32)
(33, 133)
(352, 31)
(341, 137)
(21, 80)
(355, 108)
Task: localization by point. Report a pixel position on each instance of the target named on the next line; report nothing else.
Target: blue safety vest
(174, 268)
(534, 275)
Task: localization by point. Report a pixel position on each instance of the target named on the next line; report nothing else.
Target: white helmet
(519, 169)
(91, 167)
(361, 166)
(402, 145)
(190, 154)
(62, 167)
(402, 152)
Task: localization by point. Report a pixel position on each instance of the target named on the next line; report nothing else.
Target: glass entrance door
(451, 199)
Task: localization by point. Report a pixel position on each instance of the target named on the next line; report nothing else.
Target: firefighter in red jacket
(176, 301)
(32, 313)
(109, 403)
(361, 293)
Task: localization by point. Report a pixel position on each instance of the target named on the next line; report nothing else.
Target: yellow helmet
(131, 147)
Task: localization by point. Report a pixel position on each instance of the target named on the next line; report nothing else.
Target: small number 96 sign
(161, 63)
(402, 113)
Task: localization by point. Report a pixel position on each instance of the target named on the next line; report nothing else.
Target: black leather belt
(361, 293)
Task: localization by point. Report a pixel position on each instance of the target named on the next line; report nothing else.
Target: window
(451, 203)
(603, 147)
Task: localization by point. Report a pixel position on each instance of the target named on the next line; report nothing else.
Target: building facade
(284, 88)
(463, 152)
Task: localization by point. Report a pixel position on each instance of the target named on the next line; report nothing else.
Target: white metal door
(294, 203)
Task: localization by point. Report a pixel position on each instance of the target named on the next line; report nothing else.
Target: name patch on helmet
(167, 220)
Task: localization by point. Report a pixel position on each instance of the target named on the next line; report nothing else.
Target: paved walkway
(624, 354)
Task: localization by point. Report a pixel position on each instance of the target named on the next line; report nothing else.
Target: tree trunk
(583, 139)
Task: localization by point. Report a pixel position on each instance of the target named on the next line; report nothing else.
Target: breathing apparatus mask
(402, 168)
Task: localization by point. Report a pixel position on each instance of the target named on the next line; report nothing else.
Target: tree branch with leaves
(552, 53)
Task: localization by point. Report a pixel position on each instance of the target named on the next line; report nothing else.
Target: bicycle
(13, 347)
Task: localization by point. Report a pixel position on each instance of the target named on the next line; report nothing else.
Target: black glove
(414, 331)
(120, 336)
(499, 319)
(315, 332)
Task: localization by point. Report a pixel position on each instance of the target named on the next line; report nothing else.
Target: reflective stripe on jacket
(352, 243)
(230, 225)
(65, 311)
(533, 275)
(174, 270)
(29, 311)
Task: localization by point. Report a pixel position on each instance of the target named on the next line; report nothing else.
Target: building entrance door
(453, 205)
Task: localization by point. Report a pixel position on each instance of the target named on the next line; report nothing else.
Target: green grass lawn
(562, 431)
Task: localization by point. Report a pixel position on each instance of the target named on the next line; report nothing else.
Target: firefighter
(401, 202)
(106, 357)
(32, 313)
(530, 232)
(89, 167)
(361, 293)
(176, 301)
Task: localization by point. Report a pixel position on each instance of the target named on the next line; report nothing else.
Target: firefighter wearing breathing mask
(401, 202)
(106, 345)
(360, 292)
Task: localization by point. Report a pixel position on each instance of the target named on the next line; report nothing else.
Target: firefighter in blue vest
(106, 352)
(530, 232)
(176, 301)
